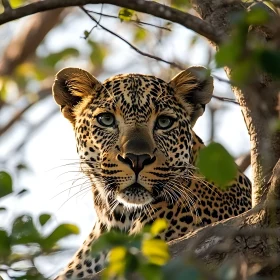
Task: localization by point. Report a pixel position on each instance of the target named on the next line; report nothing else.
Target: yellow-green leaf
(125, 14)
(140, 35)
(117, 261)
(156, 251)
(16, 3)
(158, 226)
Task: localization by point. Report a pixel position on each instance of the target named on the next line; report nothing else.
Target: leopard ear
(70, 87)
(193, 88)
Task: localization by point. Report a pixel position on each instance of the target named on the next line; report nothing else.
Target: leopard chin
(134, 195)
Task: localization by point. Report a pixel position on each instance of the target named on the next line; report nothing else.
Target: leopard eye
(106, 119)
(164, 122)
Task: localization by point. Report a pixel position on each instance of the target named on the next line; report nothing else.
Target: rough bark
(253, 238)
(255, 235)
(258, 99)
(250, 242)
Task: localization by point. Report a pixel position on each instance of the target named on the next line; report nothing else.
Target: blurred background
(37, 145)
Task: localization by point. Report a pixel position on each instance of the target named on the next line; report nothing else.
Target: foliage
(147, 256)
(244, 53)
(217, 165)
(24, 242)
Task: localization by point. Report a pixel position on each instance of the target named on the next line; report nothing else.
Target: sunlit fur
(172, 187)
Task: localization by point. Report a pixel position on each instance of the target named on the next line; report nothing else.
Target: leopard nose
(136, 162)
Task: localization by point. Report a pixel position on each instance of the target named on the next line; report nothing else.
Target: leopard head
(134, 132)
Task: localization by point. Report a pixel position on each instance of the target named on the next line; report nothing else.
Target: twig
(153, 56)
(226, 99)
(30, 134)
(7, 6)
(149, 7)
(132, 46)
(221, 79)
(100, 17)
(41, 95)
(243, 162)
(131, 20)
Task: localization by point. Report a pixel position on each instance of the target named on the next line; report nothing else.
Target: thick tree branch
(253, 235)
(158, 10)
(247, 233)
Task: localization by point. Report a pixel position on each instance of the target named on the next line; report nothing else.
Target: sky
(53, 180)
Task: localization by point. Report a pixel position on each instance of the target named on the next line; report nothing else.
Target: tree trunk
(252, 239)
(257, 100)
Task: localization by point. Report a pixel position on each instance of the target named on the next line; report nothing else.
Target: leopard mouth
(134, 195)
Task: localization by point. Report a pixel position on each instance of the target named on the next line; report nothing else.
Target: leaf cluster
(24, 241)
(244, 52)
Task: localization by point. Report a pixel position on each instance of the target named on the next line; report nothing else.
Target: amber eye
(164, 122)
(106, 119)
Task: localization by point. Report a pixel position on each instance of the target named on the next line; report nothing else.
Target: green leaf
(156, 251)
(125, 14)
(151, 272)
(58, 233)
(140, 35)
(3, 209)
(217, 165)
(180, 4)
(3, 88)
(242, 71)
(5, 244)
(86, 33)
(44, 218)
(270, 61)
(5, 184)
(54, 58)
(24, 231)
(98, 53)
(228, 54)
(112, 239)
(257, 16)
(158, 226)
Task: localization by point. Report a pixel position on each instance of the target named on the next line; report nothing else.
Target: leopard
(138, 149)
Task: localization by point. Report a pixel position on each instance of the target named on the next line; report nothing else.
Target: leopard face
(134, 132)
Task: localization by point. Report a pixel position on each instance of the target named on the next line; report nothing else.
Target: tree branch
(7, 6)
(42, 94)
(257, 99)
(153, 56)
(137, 21)
(128, 43)
(26, 42)
(158, 10)
(244, 162)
